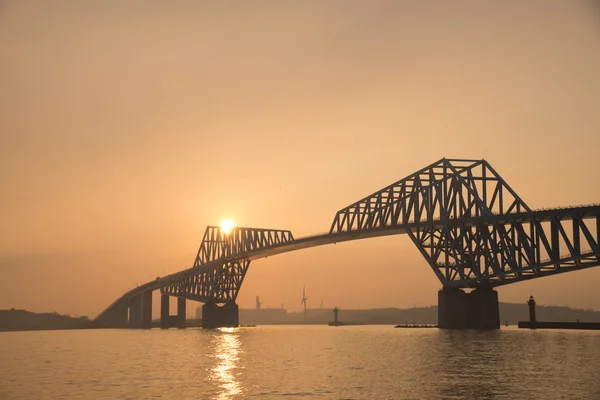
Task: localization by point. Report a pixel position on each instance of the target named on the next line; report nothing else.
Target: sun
(226, 226)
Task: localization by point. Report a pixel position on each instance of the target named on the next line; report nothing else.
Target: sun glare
(227, 226)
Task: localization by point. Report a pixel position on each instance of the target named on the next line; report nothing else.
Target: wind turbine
(304, 300)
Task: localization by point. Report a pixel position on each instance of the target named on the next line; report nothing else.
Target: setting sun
(227, 225)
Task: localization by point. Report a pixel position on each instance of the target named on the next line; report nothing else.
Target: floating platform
(416, 326)
(559, 325)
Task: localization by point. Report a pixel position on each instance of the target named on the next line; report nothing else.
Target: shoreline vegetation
(510, 313)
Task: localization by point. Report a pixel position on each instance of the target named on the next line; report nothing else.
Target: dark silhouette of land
(21, 320)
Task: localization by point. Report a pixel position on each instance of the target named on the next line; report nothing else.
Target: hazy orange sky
(127, 127)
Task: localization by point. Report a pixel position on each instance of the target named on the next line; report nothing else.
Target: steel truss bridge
(470, 226)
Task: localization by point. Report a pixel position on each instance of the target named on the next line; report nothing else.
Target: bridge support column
(209, 315)
(166, 319)
(147, 309)
(475, 310)
(230, 315)
(120, 317)
(181, 311)
(135, 311)
(483, 310)
(164, 311)
(452, 308)
(214, 316)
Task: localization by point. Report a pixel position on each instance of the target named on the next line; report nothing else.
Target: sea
(300, 362)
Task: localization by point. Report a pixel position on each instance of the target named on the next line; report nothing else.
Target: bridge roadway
(540, 216)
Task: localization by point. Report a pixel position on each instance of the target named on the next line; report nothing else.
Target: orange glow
(227, 225)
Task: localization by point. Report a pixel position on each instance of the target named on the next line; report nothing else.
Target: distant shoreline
(15, 320)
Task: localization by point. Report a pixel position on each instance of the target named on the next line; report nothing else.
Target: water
(273, 362)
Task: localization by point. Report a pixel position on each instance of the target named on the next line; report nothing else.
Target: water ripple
(358, 362)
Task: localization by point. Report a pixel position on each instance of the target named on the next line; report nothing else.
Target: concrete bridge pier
(135, 311)
(483, 310)
(452, 308)
(169, 321)
(164, 311)
(214, 316)
(147, 309)
(181, 312)
(140, 310)
(475, 310)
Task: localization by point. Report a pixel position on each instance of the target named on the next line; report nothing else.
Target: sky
(128, 127)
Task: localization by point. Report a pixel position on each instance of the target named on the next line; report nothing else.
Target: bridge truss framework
(471, 227)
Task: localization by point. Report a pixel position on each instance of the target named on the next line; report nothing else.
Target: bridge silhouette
(471, 227)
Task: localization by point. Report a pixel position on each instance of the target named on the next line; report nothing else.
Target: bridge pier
(483, 311)
(167, 320)
(140, 310)
(164, 311)
(147, 309)
(135, 311)
(181, 311)
(475, 310)
(214, 316)
(452, 308)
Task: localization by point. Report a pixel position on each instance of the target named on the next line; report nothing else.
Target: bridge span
(473, 230)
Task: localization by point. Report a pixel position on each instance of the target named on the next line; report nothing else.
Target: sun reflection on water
(227, 353)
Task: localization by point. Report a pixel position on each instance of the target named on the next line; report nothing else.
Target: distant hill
(21, 320)
(509, 312)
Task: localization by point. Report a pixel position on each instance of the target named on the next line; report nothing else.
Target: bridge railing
(567, 207)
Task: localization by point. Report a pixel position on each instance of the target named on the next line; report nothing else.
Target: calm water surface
(272, 362)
